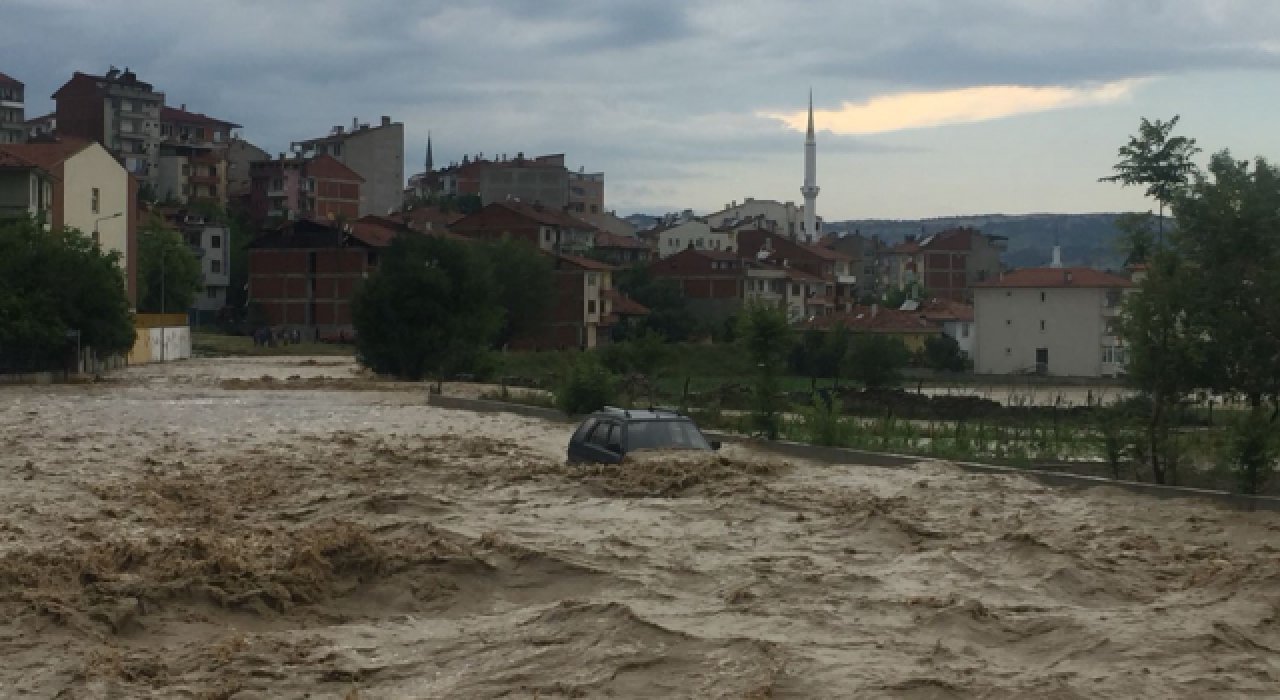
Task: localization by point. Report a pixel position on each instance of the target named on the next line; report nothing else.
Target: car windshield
(665, 434)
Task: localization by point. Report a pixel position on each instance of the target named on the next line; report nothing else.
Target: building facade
(784, 218)
(91, 192)
(947, 264)
(1054, 321)
(240, 156)
(376, 153)
(26, 190)
(42, 127)
(118, 111)
(586, 196)
(300, 188)
(543, 180)
(193, 164)
(13, 128)
(550, 229)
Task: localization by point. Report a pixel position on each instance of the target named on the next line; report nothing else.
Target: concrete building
(947, 263)
(1049, 320)
(91, 192)
(193, 163)
(118, 111)
(13, 128)
(694, 235)
(292, 188)
(582, 313)
(210, 241)
(864, 259)
(610, 222)
(955, 318)
(621, 250)
(41, 127)
(550, 229)
(778, 217)
(240, 156)
(543, 180)
(712, 281)
(26, 189)
(376, 153)
(304, 274)
(586, 196)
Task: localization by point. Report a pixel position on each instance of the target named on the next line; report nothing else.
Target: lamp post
(116, 215)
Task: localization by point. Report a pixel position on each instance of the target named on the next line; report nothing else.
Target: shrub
(588, 387)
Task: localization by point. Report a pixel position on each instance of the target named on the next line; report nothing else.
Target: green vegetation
(169, 275)
(669, 314)
(942, 353)
(877, 360)
(215, 343)
(588, 387)
(526, 285)
(766, 335)
(53, 285)
(431, 310)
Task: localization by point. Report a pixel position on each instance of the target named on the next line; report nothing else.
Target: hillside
(1086, 239)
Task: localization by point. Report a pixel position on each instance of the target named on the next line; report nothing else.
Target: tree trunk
(1153, 438)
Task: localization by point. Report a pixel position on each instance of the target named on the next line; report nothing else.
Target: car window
(600, 436)
(648, 435)
(580, 435)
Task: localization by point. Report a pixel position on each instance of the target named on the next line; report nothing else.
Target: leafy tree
(1253, 451)
(588, 387)
(876, 359)
(942, 353)
(526, 285)
(669, 313)
(53, 283)
(169, 275)
(1157, 160)
(1137, 240)
(430, 309)
(147, 194)
(766, 336)
(807, 355)
(836, 350)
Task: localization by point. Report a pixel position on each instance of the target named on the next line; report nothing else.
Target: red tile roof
(326, 166)
(941, 310)
(171, 114)
(13, 160)
(624, 306)
(610, 240)
(585, 263)
(864, 319)
(47, 154)
(435, 216)
(549, 216)
(827, 253)
(6, 80)
(1056, 277)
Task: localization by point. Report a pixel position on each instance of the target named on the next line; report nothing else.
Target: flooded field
(289, 528)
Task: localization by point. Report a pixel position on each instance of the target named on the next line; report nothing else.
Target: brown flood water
(175, 533)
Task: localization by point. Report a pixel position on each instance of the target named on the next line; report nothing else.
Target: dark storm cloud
(645, 90)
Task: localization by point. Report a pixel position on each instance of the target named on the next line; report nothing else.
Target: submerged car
(607, 436)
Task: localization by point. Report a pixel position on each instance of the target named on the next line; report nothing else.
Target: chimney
(183, 107)
(386, 121)
(875, 310)
(355, 123)
(1057, 257)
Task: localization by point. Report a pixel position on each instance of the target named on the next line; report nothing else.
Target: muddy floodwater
(288, 528)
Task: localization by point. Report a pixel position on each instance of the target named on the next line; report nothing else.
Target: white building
(211, 243)
(1050, 320)
(695, 234)
(783, 218)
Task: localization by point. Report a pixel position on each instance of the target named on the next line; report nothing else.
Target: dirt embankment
(228, 544)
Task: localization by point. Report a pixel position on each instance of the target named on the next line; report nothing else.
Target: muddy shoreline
(167, 534)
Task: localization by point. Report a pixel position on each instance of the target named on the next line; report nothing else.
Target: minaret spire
(810, 189)
(429, 164)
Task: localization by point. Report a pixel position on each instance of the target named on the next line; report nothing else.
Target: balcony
(140, 135)
(11, 104)
(206, 180)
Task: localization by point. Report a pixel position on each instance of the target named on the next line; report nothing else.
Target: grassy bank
(212, 344)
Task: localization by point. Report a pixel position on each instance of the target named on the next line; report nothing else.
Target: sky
(923, 107)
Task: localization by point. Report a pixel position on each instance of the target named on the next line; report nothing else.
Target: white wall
(964, 333)
(1009, 331)
(90, 168)
(169, 344)
(697, 233)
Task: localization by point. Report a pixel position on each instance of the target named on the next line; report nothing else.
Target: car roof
(639, 414)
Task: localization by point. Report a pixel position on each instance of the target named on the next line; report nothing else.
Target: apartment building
(118, 111)
(12, 110)
(783, 218)
(26, 190)
(41, 127)
(550, 229)
(947, 264)
(864, 259)
(1050, 320)
(290, 188)
(304, 274)
(583, 311)
(375, 153)
(543, 180)
(695, 234)
(210, 242)
(586, 196)
(193, 163)
(240, 156)
(90, 191)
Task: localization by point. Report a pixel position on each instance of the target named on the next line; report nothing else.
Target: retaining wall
(842, 455)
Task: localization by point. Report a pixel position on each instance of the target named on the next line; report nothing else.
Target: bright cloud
(920, 110)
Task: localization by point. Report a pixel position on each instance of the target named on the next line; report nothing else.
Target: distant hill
(1087, 240)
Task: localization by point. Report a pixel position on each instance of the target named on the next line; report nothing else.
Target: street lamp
(116, 215)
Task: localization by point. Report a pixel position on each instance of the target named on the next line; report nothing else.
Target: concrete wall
(697, 234)
(538, 185)
(377, 154)
(90, 168)
(1009, 330)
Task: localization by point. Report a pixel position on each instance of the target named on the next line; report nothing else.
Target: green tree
(669, 313)
(806, 358)
(876, 360)
(835, 351)
(53, 284)
(588, 387)
(430, 309)
(169, 275)
(767, 338)
(526, 285)
(1137, 239)
(942, 353)
(1157, 160)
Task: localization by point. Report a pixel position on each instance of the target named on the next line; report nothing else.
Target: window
(166, 130)
(1042, 326)
(186, 189)
(585, 429)
(215, 242)
(217, 136)
(1042, 297)
(795, 290)
(213, 190)
(336, 149)
(591, 306)
(591, 279)
(199, 132)
(96, 201)
(1008, 322)
(964, 330)
(211, 292)
(1008, 352)
(603, 435)
(595, 209)
(215, 266)
(1113, 355)
(547, 235)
